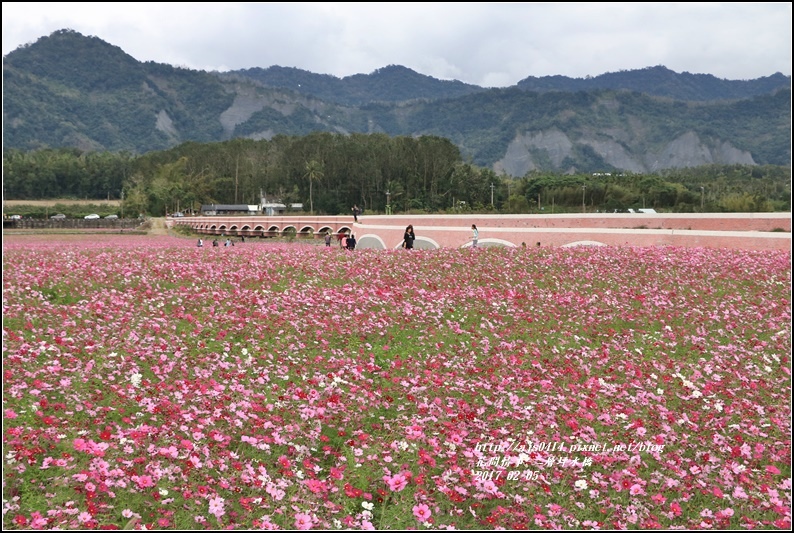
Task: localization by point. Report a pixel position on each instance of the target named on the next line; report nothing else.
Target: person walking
(343, 242)
(328, 238)
(475, 235)
(409, 237)
(356, 212)
(351, 242)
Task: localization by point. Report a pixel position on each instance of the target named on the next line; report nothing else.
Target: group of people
(346, 242)
(215, 244)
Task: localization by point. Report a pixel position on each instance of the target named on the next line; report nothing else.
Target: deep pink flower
(421, 512)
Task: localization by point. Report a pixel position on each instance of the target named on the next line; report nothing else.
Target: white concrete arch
(491, 243)
(370, 241)
(423, 243)
(583, 243)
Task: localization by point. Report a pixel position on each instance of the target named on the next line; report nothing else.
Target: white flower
(580, 484)
(135, 379)
(367, 505)
(163, 492)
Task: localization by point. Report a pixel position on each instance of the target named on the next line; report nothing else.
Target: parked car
(92, 216)
(112, 216)
(16, 217)
(178, 214)
(59, 216)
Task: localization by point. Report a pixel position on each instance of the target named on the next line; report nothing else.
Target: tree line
(329, 172)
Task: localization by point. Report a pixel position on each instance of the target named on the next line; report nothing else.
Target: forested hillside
(71, 91)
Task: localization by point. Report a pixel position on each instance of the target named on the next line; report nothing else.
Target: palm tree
(314, 171)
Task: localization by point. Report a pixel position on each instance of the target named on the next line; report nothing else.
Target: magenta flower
(396, 482)
(303, 521)
(421, 512)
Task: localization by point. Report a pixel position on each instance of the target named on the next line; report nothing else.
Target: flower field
(148, 383)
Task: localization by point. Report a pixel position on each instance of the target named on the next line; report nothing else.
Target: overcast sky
(486, 44)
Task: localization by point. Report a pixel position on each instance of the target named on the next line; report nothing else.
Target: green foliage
(67, 90)
(329, 173)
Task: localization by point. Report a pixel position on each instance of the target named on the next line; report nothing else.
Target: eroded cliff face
(548, 150)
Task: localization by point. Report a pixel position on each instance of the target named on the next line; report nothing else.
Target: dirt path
(158, 226)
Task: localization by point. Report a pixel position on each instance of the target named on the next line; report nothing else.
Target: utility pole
(491, 194)
(584, 188)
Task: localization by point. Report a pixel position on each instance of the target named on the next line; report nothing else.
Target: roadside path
(158, 226)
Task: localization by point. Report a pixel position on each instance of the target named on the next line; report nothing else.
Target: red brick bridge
(758, 231)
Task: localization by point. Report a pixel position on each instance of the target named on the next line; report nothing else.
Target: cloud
(487, 44)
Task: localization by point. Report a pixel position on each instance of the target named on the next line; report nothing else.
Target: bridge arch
(370, 241)
(583, 243)
(734, 230)
(491, 243)
(423, 243)
(306, 232)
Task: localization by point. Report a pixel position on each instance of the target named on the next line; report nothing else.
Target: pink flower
(303, 521)
(725, 513)
(396, 482)
(143, 481)
(217, 507)
(636, 490)
(772, 469)
(421, 512)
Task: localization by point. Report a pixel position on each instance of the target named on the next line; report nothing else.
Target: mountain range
(68, 90)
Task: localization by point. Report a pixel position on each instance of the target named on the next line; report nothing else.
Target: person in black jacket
(351, 242)
(409, 237)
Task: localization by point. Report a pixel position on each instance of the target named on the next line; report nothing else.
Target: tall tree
(314, 172)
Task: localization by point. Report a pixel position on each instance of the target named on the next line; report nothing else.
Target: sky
(489, 44)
